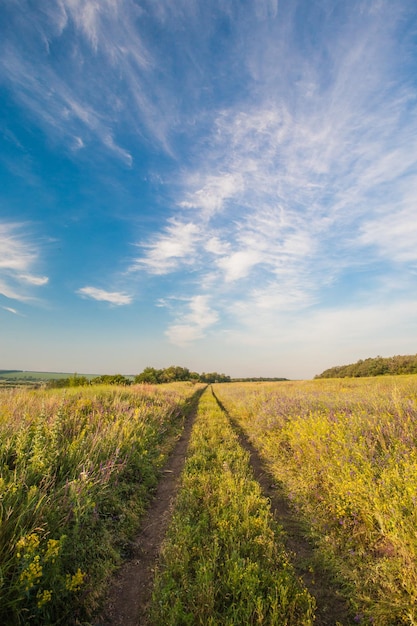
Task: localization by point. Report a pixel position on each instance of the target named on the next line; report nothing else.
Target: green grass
(223, 561)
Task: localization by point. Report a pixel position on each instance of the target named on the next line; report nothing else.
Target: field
(28, 375)
(20, 378)
(79, 466)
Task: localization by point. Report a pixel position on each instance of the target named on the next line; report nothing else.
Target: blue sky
(223, 185)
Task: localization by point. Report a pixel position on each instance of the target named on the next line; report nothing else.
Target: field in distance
(28, 378)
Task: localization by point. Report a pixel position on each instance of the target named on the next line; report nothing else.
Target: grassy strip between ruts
(223, 560)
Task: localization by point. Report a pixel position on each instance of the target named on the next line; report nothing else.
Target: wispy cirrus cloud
(307, 181)
(10, 309)
(171, 249)
(69, 95)
(117, 298)
(66, 113)
(89, 72)
(18, 258)
(38, 281)
(213, 193)
(393, 234)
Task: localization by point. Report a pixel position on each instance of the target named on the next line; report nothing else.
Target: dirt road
(130, 593)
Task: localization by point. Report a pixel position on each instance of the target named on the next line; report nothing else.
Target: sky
(224, 185)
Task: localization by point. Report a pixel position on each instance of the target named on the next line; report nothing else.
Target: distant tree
(71, 381)
(111, 379)
(214, 377)
(176, 373)
(377, 366)
(78, 381)
(149, 375)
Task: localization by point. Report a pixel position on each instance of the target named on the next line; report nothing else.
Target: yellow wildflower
(52, 550)
(28, 545)
(43, 597)
(31, 575)
(73, 583)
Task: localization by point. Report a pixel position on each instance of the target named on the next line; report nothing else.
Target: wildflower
(73, 583)
(27, 545)
(52, 550)
(43, 597)
(31, 575)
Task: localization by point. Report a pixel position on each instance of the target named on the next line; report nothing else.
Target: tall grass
(77, 468)
(223, 561)
(345, 452)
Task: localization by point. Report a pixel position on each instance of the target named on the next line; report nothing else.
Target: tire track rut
(130, 592)
(332, 608)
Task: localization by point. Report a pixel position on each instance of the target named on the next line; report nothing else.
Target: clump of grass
(77, 469)
(345, 452)
(223, 561)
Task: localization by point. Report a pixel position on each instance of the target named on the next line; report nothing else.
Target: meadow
(78, 467)
(77, 470)
(344, 453)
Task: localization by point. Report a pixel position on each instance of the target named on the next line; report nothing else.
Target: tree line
(377, 366)
(149, 375)
(177, 373)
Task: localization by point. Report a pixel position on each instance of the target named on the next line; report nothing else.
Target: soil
(130, 593)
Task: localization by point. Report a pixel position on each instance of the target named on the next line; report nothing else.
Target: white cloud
(113, 297)
(78, 143)
(61, 97)
(39, 281)
(200, 312)
(10, 310)
(394, 235)
(281, 296)
(123, 154)
(194, 323)
(169, 250)
(239, 264)
(367, 329)
(213, 193)
(216, 246)
(17, 255)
